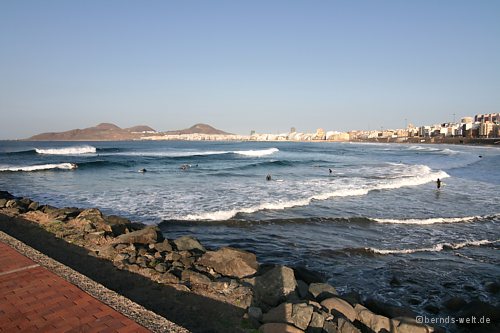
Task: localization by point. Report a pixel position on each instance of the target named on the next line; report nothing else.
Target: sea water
(376, 218)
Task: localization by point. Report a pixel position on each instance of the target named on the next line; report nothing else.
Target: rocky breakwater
(276, 298)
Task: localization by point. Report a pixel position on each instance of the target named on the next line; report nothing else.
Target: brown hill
(199, 129)
(140, 128)
(101, 132)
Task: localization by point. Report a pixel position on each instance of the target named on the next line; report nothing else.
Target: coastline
(224, 289)
(494, 142)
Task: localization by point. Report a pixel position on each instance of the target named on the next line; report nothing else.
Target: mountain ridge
(112, 132)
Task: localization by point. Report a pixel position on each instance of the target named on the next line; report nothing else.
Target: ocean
(376, 224)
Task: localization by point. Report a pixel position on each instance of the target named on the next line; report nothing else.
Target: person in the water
(143, 170)
(268, 177)
(438, 183)
(330, 170)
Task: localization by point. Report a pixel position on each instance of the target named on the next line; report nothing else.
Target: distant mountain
(199, 129)
(140, 128)
(101, 132)
(111, 132)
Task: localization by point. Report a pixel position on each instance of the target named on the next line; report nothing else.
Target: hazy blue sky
(242, 65)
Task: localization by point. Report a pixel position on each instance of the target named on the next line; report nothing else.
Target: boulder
(15, 203)
(161, 267)
(3, 202)
(117, 225)
(409, 325)
(296, 314)
(322, 291)
(373, 321)
(34, 205)
(345, 326)
(302, 289)
(255, 313)
(274, 286)
(336, 304)
(230, 262)
(195, 278)
(6, 195)
(81, 224)
(107, 251)
(168, 278)
(147, 235)
(316, 324)
(188, 243)
(173, 256)
(279, 328)
(97, 237)
(387, 309)
(330, 327)
(88, 217)
(308, 276)
(163, 246)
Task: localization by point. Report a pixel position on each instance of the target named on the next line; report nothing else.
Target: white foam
(422, 148)
(422, 175)
(257, 153)
(63, 166)
(430, 220)
(252, 153)
(436, 248)
(68, 150)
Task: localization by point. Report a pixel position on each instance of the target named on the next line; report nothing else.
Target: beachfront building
(488, 117)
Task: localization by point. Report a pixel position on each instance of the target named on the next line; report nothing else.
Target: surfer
(438, 183)
(330, 170)
(268, 177)
(143, 170)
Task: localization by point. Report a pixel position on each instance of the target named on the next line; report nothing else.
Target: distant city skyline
(240, 66)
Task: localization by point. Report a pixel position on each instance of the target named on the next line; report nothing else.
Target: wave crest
(257, 153)
(29, 168)
(436, 220)
(416, 180)
(436, 248)
(67, 151)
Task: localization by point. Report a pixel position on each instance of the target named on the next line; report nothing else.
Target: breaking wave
(174, 154)
(68, 150)
(62, 166)
(437, 220)
(257, 153)
(423, 175)
(436, 248)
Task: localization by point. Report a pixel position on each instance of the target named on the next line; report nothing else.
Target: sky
(246, 65)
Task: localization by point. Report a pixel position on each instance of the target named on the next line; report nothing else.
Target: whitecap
(29, 168)
(257, 153)
(436, 248)
(67, 151)
(421, 175)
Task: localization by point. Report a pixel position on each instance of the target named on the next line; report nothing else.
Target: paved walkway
(33, 299)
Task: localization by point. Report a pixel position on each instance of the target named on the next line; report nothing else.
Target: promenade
(33, 299)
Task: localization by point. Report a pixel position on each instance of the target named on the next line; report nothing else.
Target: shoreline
(249, 295)
(494, 142)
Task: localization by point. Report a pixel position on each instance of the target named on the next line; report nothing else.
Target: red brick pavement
(33, 299)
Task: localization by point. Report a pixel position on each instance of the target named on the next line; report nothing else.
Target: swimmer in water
(268, 177)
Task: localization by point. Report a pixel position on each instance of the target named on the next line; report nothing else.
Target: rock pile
(276, 298)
